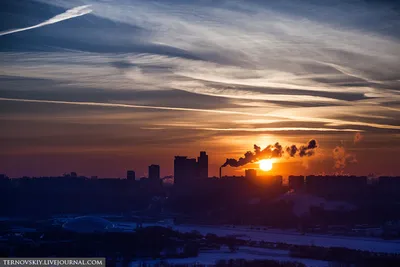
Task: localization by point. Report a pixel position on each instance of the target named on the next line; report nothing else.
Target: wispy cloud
(69, 14)
(267, 63)
(280, 129)
(340, 116)
(118, 105)
(258, 47)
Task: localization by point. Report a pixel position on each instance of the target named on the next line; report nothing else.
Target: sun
(265, 164)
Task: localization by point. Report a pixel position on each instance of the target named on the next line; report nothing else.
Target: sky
(100, 87)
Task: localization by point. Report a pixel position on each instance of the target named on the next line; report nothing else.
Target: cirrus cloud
(69, 14)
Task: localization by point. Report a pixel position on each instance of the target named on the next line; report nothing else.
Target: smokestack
(220, 172)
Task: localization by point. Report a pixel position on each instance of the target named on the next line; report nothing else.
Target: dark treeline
(147, 242)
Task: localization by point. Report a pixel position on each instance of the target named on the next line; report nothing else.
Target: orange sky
(114, 85)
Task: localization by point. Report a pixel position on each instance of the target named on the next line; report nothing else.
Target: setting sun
(265, 164)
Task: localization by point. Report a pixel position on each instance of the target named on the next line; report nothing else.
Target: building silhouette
(154, 172)
(389, 185)
(130, 175)
(202, 163)
(188, 169)
(185, 169)
(335, 184)
(250, 174)
(296, 182)
(272, 180)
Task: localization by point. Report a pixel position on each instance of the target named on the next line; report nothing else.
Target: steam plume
(272, 151)
(308, 150)
(358, 137)
(342, 158)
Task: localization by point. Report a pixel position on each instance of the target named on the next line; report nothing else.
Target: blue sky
(141, 81)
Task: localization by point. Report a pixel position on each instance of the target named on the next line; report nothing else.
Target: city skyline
(101, 88)
(187, 169)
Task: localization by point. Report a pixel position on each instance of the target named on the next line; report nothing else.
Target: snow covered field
(278, 236)
(287, 236)
(369, 244)
(246, 253)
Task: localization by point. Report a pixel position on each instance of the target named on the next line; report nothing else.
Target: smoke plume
(358, 137)
(292, 150)
(273, 151)
(308, 150)
(342, 158)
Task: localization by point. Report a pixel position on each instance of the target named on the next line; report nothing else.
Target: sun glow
(265, 164)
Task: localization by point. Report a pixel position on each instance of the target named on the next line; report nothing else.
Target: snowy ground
(278, 236)
(369, 244)
(288, 237)
(247, 253)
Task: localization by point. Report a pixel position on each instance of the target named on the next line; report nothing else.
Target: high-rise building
(250, 173)
(275, 180)
(187, 169)
(336, 184)
(180, 171)
(202, 165)
(389, 185)
(184, 169)
(296, 182)
(130, 175)
(154, 172)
